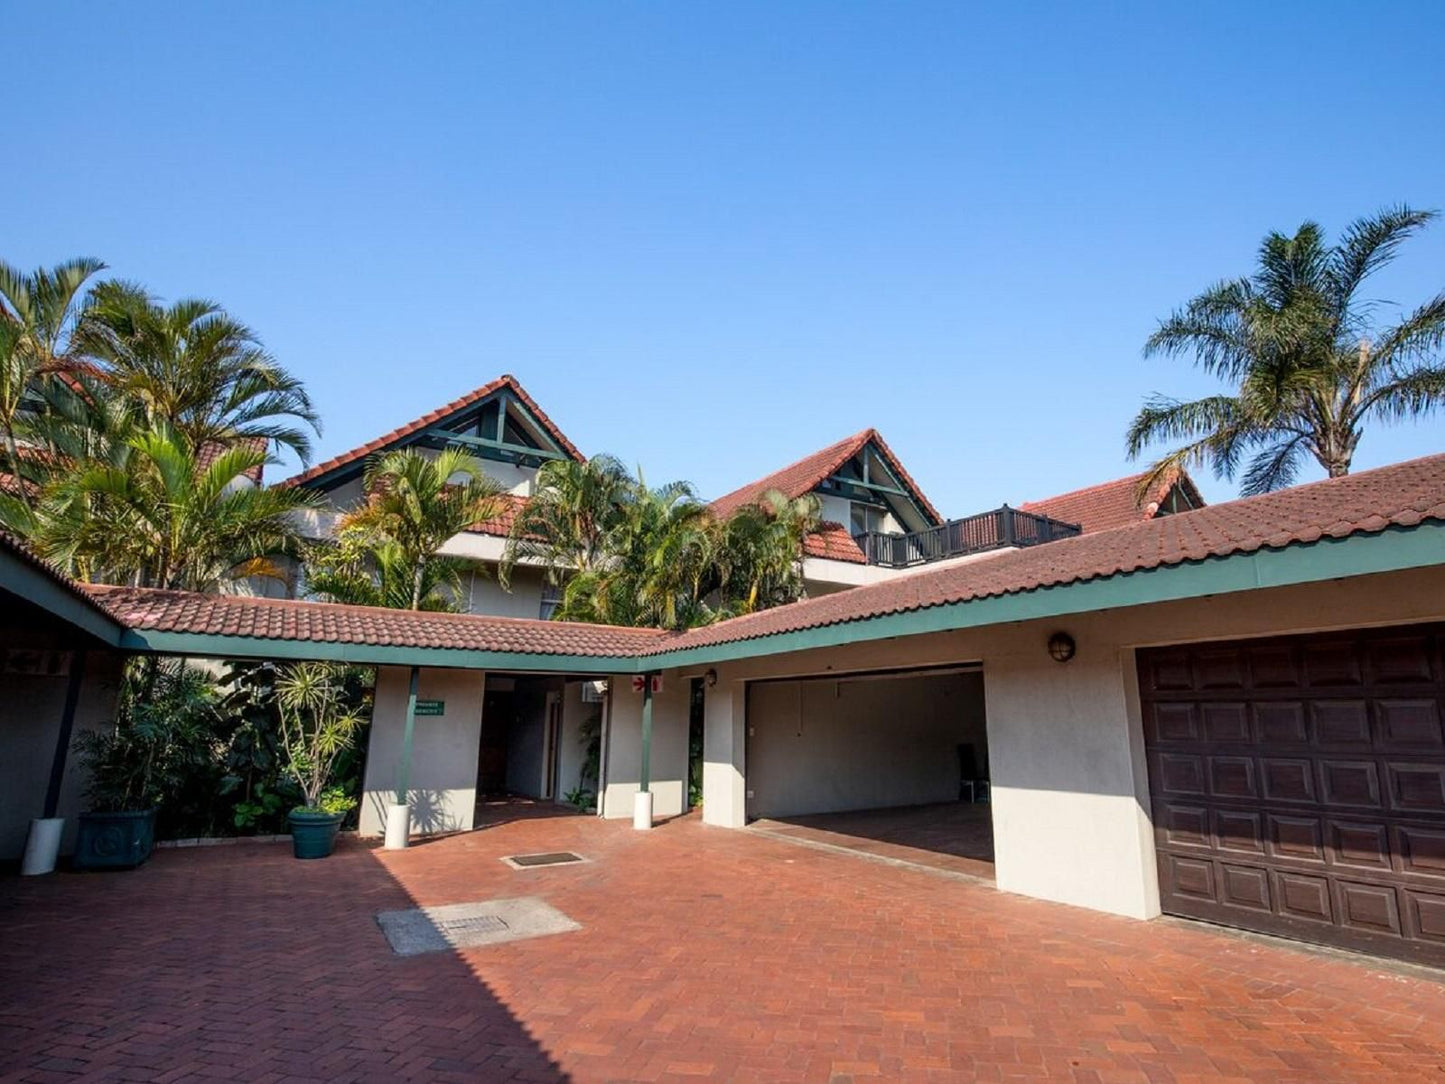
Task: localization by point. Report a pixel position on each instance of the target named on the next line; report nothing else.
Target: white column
(724, 781)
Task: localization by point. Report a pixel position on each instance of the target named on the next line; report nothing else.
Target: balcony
(1004, 528)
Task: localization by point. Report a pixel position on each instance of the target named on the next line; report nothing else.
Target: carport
(892, 763)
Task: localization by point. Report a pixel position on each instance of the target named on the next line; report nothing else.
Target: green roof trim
(1392, 550)
(30, 582)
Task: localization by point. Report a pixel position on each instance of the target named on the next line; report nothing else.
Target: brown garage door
(1298, 786)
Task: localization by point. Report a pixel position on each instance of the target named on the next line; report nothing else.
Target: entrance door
(1298, 786)
(552, 745)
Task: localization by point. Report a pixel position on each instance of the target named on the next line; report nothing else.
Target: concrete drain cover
(469, 925)
(552, 858)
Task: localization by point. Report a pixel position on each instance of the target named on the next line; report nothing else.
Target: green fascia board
(1393, 550)
(485, 445)
(27, 582)
(255, 647)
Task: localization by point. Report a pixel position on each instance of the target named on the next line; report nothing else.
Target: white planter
(398, 826)
(642, 809)
(42, 847)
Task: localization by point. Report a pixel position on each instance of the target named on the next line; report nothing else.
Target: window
(867, 519)
(551, 599)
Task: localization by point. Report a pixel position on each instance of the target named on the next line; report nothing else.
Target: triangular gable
(496, 421)
(1117, 503)
(832, 470)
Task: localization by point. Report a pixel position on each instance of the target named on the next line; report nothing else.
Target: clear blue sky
(711, 238)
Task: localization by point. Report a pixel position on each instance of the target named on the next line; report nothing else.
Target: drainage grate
(552, 858)
(450, 927)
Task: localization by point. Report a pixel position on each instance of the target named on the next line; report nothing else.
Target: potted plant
(318, 723)
(166, 711)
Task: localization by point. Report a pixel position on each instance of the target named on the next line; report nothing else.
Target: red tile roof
(1112, 504)
(23, 553)
(386, 440)
(832, 542)
(1365, 503)
(149, 609)
(804, 475)
(509, 506)
(211, 451)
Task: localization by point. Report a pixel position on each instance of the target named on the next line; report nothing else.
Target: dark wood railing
(1000, 529)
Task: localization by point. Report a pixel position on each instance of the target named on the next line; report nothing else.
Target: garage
(1298, 786)
(891, 763)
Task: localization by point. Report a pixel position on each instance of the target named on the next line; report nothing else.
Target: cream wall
(30, 711)
(1070, 789)
(443, 783)
(570, 753)
(669, 748)
(826, 746)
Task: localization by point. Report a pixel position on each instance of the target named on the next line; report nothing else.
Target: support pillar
(42, 847)
(398, 814)
(642, 805)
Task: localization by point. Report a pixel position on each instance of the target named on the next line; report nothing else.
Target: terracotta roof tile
(21, 551)
(212, 449)
(1402, 495)
(803, 476)
(832, 542)
(509, 507)
(150, 609)
(1112, 504)
(506, 380)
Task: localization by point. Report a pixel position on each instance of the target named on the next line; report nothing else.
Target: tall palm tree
(39, 315)
(418, 502)
(361, 570)
(158, 516)
(564, 525)
(194, 367)
(1309, 365)
(761, 555)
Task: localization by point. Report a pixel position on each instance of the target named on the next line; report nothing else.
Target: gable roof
(386, 440)
(1403, 495)
(1114, 504)
(804, 476)
(832, 542)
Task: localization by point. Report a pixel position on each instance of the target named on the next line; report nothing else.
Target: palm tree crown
(1309, 363)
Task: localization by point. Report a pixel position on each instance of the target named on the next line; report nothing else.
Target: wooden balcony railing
(1000, 529)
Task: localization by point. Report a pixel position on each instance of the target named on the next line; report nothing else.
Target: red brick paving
(706, 955)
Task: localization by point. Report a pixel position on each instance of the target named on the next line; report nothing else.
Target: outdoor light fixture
(1061, 647)
(711, 678)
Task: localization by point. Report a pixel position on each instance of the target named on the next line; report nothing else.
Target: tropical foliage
(319, 723)
(627, 553)
(1307, 359)
(386, 553)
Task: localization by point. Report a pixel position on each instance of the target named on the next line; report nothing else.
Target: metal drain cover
(469, 925)
(550, 858)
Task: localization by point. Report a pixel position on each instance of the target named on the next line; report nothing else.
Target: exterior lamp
(711, 678)
(1061, 647)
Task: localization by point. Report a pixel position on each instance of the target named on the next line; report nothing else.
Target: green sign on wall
(431, 707)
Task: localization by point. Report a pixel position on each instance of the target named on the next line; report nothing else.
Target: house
(1121, 502)
(1235, 713)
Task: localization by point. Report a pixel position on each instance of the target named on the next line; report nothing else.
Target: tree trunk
(416, 578)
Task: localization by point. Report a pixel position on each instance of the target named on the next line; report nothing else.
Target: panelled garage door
(1298, 786)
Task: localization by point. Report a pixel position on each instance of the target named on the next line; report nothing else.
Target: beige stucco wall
(825, 746)
(30, 711)
(1071, 813)
(443, 784)
(669, 748)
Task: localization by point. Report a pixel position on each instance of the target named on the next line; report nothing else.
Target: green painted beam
(487, 445)
(403, 775)
(23, 580)
(644, 775)
(1389, 551)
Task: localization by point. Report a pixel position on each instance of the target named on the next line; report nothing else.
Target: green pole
(646, 732)
(403, 782)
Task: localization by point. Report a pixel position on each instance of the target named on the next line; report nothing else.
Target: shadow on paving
(245, 963)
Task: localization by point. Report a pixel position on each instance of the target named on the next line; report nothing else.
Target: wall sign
(431, 707)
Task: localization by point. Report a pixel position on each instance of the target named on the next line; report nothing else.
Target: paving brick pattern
(705, 955)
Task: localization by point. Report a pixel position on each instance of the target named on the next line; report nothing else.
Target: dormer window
(867, 518)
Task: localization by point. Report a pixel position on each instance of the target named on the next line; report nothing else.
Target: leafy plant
(580, 797)
(319, 722)
(264, 805)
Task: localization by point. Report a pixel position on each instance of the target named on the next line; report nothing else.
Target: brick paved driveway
(705, 954)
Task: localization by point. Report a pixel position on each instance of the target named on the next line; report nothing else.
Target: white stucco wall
(669, 748)
(30, 712)
(443, 785)
(827, 746)
(1070, 788)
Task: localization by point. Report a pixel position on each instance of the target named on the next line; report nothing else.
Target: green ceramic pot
(313, 833)
(114, 840)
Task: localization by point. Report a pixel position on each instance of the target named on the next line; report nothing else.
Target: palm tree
(361, 570)
(417, 503)
(564, 525)
(194, 367)
(1309, 364)
(761, 555)
(158, 516)
(39, 315)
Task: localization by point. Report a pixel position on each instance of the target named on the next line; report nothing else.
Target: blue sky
(711, 238)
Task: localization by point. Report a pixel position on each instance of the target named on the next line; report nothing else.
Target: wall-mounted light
(710, 678)
(1061, 647)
